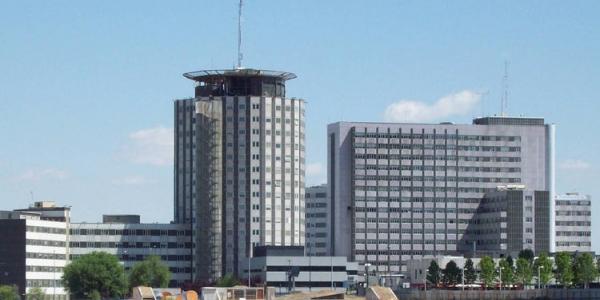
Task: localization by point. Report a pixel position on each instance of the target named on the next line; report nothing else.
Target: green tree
(227, 281)
(527, 254)
(564, 270)
(585, 269)
(434, 273)
(150, 272)
(97, 272)
(508, 272)
(523, 271)
(488, 270)
(545, 266)
(452, 273)
(35, 293)
(470, 274)
(9, 292)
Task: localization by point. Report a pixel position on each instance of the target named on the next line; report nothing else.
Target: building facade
(573, 222)
(407, 191)
(509, 220)
(132, 242)
(318, 231)
(239, 166)
(33, 252)
(288, 269)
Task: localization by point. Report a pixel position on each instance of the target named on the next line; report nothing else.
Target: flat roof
(241, 72)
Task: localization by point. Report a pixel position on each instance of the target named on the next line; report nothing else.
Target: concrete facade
(509, 220)
(133, 242)
(33, 252)
(573, 222)
(407, 191)
(273, 265)
(239, 167)
(318, 220)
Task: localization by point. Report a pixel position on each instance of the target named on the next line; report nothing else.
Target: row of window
(569, 203)
(315, 205)
(574, 244)
(48, 283)
(437, 136)
(573, 233)
(409, 230)
(416, 210)
(36, 255)
(46, 229)
(440, 157)
(126, 245)
(140, 232)
(438, 147)
(46, 243)
(416, 199)
(141, 257)
(437, 178)
(573, 223)
(437, 168)
(44, 269)
(405, 242)
(398, 220)
(422, 189)
(573, 213)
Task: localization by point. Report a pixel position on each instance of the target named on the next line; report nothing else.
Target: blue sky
(87, 88)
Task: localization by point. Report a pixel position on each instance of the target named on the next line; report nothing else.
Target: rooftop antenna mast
(239, 45)
(504, 101)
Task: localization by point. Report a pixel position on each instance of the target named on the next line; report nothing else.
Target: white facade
(35, 252)
(318, 231)
(573, 222)
(46, 256)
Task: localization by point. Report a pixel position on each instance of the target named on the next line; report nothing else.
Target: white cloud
(42, 174)
(152, 146)
(130, 180)
(574, 164)
(316, 173)
(457, 104)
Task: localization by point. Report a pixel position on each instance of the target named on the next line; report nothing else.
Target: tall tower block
(239, 167)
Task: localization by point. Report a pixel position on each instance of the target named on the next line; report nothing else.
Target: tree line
(567, 269)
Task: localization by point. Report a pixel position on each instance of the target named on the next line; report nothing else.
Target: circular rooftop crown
(241, 72)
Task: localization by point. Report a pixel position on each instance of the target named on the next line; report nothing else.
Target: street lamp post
(54, 275)
(463, 277)
(500, 270)
(539, 278)
(425, 280)
(367, 265)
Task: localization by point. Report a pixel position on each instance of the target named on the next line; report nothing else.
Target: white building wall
(573, 222)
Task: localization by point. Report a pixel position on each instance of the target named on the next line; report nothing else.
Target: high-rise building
(318, 220)
(573, 222)
(239, 167)
(408, 191)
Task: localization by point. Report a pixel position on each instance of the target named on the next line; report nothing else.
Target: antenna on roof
(504, 101)
(239, 45)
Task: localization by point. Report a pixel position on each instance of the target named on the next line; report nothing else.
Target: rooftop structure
(240, 82)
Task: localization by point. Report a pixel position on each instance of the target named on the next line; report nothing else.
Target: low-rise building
(277, 265)
(33, 252)
(133, 242)
(573, 222)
